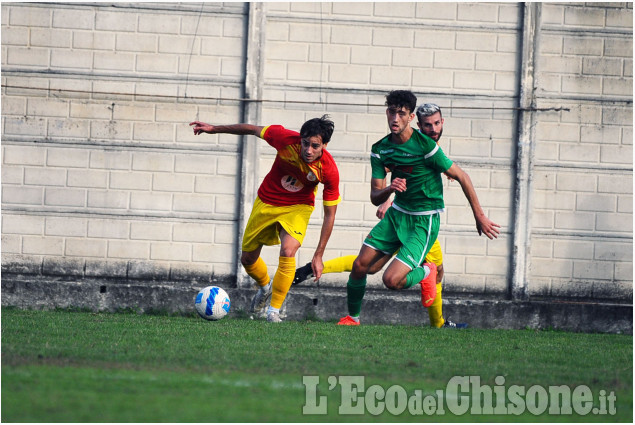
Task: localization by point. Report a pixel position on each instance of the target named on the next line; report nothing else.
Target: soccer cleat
(274, 317)
(261, 299)
(302, 273)
(451, 324)
(429, 286)
(348, 321)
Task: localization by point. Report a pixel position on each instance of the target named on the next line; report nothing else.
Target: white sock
(355, 318)
(265, 288)
(273, 310)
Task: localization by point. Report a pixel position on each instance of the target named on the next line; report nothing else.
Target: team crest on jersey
(291, 183)
(311, 176)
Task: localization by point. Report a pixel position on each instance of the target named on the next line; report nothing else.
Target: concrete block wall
(583, 180)
(102, 176)
(460, 56)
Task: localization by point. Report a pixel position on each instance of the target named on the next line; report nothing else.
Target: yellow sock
(282, 281)
(435, 311)
(258, 272)
(339, 264)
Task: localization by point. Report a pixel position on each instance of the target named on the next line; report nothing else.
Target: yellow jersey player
(284, 204)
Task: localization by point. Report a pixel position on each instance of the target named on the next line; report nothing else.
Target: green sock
(414, 277)
(355, 290)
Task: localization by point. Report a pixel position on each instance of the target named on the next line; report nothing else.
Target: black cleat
(451, 324)
(302, 273)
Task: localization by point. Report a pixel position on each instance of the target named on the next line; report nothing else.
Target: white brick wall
(577, 216)
(452, 60)
(98, 148)
(100, 167)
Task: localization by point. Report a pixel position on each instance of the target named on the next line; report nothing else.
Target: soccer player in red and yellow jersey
(285, 201)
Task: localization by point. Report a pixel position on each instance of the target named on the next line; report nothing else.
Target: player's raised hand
(201, 127)
(486, 226)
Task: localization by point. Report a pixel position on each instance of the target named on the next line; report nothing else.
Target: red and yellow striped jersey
(292, 181)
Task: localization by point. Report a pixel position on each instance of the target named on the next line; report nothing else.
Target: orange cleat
(348, 321)
(429, 286)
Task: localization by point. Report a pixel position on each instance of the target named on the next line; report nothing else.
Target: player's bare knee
(289, 249)
(359, 268)
(391, 283)
(289, 252)
(247, 260)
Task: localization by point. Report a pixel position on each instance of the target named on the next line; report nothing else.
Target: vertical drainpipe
(251, 114)
(521, 252)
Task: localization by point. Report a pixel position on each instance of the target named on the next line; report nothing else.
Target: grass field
(61, 366)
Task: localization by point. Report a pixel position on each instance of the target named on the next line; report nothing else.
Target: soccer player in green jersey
(430, 122)
(411, 226)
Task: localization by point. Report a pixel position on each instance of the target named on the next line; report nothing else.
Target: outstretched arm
(327, 228)
(483, 224)
(201, 127)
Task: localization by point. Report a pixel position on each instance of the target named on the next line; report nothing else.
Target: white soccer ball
(212, 303)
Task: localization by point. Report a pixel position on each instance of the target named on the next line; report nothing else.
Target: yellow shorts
(265, 221)
(435, 255)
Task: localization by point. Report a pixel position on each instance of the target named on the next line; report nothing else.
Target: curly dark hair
(402, 98)
(318, 127)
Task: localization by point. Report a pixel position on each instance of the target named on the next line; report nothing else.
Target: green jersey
(420, 161)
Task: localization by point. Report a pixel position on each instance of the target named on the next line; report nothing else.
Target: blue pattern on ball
(226, 305)
(210, 301)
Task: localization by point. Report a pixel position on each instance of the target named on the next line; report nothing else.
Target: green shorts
(412, 235)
